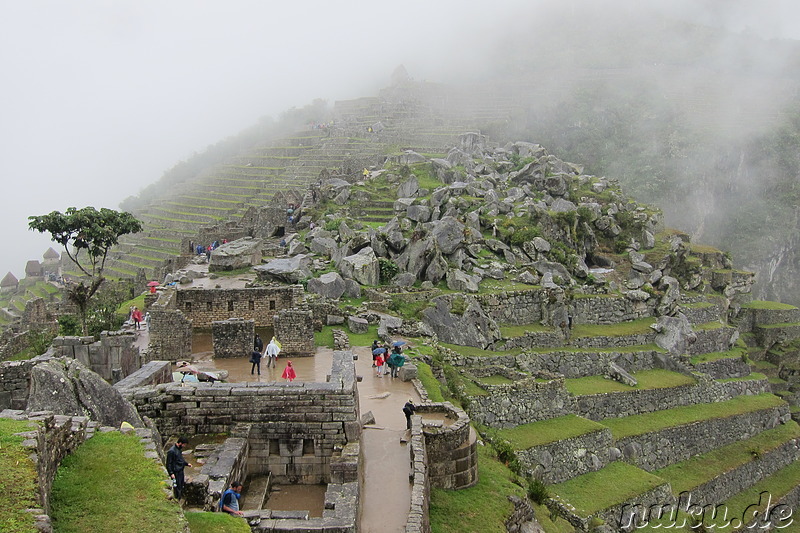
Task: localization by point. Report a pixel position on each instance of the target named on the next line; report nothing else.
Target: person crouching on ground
(229, 503)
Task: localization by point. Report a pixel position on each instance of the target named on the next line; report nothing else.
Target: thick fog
(99, 98)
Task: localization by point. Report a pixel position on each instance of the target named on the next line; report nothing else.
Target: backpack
(222, 498)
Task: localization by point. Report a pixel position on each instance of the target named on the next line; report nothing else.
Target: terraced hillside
(223, 193)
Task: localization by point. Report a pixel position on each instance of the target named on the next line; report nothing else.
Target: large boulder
(409, 188)
(331, 285)
(458, 280)
(362, 267)
(241, 253)
(286, 270)
(472, 327)
(66, 387)
(448, 234)
(323, 246)
(674, 334)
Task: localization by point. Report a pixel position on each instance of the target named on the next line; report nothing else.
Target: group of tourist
(386, 360)
(271, 352)
(199, 249)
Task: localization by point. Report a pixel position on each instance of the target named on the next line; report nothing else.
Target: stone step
(658, 439)
(770, 334)
(726, 470)
(722, 365)
(701, 312)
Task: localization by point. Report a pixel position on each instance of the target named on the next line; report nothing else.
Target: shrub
(69, 325)
(458, 306)
(537, 491)
(388, 269)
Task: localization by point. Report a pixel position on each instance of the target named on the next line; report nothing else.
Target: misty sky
(99, 98)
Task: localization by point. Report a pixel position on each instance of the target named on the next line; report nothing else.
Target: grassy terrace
(655, 421)
(621, 349)
(700, 469)
(646, 379)
(477, 508)
(547, 431)
(138, 501)
(519, 331)
(632, 327)
(595, 491)
(774, 306)
(733, 353)
(472, 351)
(19, 478)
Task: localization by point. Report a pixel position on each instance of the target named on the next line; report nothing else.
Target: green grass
(763, 304)
(519, 331)
(202, 522)
(693, 472)
(778, 484)
(472, 351)
(733, 353)
(708, 326)
(430, 383)
(546, 431)
(325, 337)
(631, 327)
(479, 508)
(600, 490)
(18, 478)
(649, 422)
(107, 484)
(752, 376)
(646, 379)
(495, 380)
(473, 389)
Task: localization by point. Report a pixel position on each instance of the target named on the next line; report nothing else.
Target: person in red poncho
(288, 372)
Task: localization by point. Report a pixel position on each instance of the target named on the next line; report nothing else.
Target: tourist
(376, 349)
(258, 344)
(396, 360)
(136, 315)
(387, 350)
(255, 358)
(175, 465)
(288, 372)
(379, 364)
(273, 349)
(229, 502)
(147, 320)
(409, 409)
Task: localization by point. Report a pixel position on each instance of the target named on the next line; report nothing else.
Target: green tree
(86, 235)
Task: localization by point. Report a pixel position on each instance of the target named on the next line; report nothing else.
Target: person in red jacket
(288, 372)
(136, 315)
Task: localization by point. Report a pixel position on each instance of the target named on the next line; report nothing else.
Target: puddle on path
(309, 498)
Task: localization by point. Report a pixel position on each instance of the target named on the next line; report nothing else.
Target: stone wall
(296, 427)
(419, 513)
(170, 330)
(13, 343)
(713, 340)
(261, 304)
(573, 364)
(295, 330)
(528, 400)
(738, 479)
(602, 309)
(564, 459)
(113, 357)
(525, 401)
(151, 373)
(14, 384)
(233, 337)
(514, 307)
(658, 449)
(730, 367)
(451, 448)
(50, 439)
